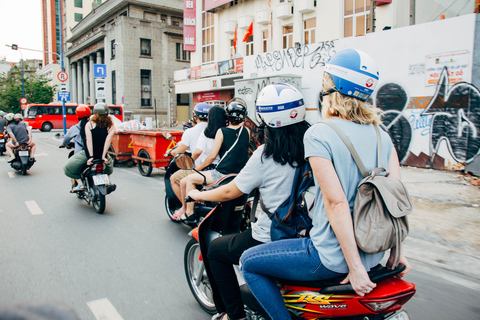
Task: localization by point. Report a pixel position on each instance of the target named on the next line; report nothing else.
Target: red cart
(121, 148)
(150, 146)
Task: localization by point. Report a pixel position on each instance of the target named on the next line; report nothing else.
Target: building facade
(426, 50)
(140, 43)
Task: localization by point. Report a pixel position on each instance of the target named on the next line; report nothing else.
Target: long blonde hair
(346, 107)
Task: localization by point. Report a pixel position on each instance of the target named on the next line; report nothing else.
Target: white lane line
(102, 309)
(33, 207)
(12, 174)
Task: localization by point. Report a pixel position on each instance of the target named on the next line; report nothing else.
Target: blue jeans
(293, 259)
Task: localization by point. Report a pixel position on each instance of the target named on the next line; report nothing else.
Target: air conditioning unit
(304, 6)
(244, 22)
(262, 17)
(229, 26)
(284, 10)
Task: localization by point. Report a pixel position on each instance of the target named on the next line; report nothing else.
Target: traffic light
(14, 47)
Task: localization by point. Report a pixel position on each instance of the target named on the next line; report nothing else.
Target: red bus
(50, 116)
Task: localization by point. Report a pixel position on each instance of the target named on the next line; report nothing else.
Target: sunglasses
(326, 93)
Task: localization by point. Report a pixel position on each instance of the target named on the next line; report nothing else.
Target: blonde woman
(331, 251)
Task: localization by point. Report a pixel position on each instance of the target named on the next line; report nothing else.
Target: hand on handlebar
(193, 195)
(89, 162)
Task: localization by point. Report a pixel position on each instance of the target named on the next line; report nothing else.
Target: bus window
(41, 110)
(115, 111)
(70, 110)
(56, 110)
(32, 112)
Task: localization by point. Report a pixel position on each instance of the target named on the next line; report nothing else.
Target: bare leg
(33, 147)
(192, 181)
(176, 188)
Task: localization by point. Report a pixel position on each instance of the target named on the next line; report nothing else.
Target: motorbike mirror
(184, 161)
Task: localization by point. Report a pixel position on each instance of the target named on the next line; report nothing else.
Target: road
(128, 262)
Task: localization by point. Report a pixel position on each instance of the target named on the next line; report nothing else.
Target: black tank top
(99, 135)
(236, 159)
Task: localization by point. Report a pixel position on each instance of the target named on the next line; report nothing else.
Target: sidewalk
(445, 223)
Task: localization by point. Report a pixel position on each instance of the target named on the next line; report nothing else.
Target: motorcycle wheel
(197, 277)
(144, 167)
(170, 211)
(24, 169)
(98, 201)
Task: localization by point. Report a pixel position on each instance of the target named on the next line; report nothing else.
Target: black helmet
(201, 110)
(236, 109)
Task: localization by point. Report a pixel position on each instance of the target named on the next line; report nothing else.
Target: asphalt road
(128, 262)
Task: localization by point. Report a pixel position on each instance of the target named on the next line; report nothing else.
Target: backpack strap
(352, 150)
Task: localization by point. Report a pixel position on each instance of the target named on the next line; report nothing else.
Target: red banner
(208, 96)
(189, 25)
(239, 65)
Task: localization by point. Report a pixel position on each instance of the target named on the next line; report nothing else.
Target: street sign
(63, 86)
(100, 89)
(23, 100)
(63, 96)
(62, 76)
(99, 70)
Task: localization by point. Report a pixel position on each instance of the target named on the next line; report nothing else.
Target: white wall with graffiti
(431, 109)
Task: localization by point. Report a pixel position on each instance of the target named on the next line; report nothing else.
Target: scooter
(304, 299)
(2, 143)
(22, 161)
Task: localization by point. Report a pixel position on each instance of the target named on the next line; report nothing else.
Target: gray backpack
(381, 205)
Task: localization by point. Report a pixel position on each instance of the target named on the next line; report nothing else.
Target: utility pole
(60, 18)
(15, 47)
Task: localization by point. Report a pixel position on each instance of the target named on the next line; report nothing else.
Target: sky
(21, 24)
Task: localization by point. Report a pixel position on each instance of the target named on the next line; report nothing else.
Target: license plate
(2, 140)
(399, 315)
(100, 179)
(23, 153)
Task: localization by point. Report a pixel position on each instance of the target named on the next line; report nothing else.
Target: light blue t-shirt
(321, 141)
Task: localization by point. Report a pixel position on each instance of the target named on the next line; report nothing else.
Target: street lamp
(123, 70)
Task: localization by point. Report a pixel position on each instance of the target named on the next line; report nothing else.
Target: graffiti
(245, 91)
(303, 57)
(455, 119)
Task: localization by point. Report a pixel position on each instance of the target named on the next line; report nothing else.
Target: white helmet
(280, 105)
(354, 73)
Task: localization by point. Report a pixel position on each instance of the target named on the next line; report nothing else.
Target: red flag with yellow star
(248, 33)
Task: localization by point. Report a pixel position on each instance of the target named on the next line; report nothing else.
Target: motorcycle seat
(333, 285)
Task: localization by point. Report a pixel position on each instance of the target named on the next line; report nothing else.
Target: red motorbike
(304, 299)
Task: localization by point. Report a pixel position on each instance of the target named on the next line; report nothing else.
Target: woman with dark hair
(271, 169)
(217, 119)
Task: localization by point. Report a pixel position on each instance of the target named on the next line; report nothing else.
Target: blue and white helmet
(280, 105)
(354, 73)
(201, 110)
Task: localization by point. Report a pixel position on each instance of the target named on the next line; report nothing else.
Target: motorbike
(22, 161)
(2, 143)
(304, 299)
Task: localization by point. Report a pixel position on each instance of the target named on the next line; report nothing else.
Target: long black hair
(217, 118)
(285, 144)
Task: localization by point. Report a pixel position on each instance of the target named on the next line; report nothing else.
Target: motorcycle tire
(98, 201)
(197, 278)
(169, 209)
(144, 167)
(24, 169)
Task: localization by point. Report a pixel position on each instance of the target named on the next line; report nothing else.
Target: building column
(99, 57)
(79, 82)
(73, 82)
(86, 87)
(93, 99)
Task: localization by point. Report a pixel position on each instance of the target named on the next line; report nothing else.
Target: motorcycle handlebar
(189, 199)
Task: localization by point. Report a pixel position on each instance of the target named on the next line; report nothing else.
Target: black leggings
(223, 253)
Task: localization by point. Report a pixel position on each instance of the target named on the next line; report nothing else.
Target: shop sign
(239, 65)
(209, 70)
(457, 64)
(208, 96)
(195, 72)
(180, 75)
(189, 25)
(225, 67)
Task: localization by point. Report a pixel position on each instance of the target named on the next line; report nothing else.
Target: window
(114, 88)
(182, 54)
(177, 22)
(309, 30)
(232, 50)
(145, 47)
(265, 41)
(78, 17)
(249, 46)
(287, 37)
(70, 110)
(207, 36)
(356, 17)
(183, 99)
(78, 4)
(145, 81)
(112, 49)
(163, 18)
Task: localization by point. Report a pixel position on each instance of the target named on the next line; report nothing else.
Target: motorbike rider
(20, 133)
(77, 132)
(189, 142)
(271, 169)
(217, 118)
(331, 251)
(231, 143)
(98, 132)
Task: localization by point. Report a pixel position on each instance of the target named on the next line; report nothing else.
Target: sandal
(78, 188)
(187, 218)
(221, 316)
(178, 213)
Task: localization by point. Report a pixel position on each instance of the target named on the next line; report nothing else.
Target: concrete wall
(432, 124)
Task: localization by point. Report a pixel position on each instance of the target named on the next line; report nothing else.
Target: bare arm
(88, 136)
(108, 141)
(181, 148)
(338, 213)
(224, 193)
(217, 144)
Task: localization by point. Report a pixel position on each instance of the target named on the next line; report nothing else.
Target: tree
(37, 89)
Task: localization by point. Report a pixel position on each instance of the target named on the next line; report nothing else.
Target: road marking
(12, 174)
(42, 154)
(102, 309)
(33, 207)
